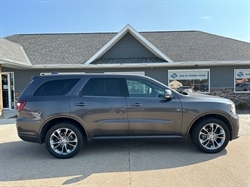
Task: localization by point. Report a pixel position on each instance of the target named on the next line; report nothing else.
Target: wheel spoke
(62, 152)
(213, 144)
(205, 129)
(218, 144)
(202, 133)
(55, 136)
(73, 145)
(215, 129)
(58, 132)
(56, 146)
(202, 141)
(220, 133)
(212, 127)
(70, 134)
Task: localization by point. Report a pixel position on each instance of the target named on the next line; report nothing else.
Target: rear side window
(56, 87)
(102, 87)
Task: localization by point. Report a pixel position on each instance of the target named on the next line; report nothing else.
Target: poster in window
(242, 80)
(189, 80)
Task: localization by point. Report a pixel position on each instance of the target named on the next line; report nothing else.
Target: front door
(7, 90)
(149, 113)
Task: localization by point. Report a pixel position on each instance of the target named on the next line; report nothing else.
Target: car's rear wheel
(64, 140)
(210, 135)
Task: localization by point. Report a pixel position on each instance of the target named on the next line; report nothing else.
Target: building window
(190, 80)
(242, 80)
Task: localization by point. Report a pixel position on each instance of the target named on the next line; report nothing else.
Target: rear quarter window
(56, 87)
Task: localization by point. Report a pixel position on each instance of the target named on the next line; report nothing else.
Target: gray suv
(66, 111)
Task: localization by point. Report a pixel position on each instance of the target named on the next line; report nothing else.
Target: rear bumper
(27, 130)
(28, 137)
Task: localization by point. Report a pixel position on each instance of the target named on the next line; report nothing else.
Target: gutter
(144, 65)
(9, 63)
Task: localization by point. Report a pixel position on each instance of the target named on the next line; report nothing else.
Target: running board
(169, 138)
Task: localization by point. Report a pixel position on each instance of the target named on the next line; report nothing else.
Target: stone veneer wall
(237, 98)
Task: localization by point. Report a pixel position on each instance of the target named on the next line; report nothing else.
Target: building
(212, 64)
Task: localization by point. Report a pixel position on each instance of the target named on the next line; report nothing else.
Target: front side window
(102, 87)
(142, 88)
(242, 80)
(189, 80)
(56, 87)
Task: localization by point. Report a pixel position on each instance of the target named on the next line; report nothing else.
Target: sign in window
(242, 80)
(189, 80)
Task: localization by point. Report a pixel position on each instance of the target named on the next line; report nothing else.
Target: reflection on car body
(94, 107)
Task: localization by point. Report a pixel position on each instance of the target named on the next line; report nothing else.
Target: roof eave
(143, 65)
(14, 64)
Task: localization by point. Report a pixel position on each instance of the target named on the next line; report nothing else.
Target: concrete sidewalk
(8, 117)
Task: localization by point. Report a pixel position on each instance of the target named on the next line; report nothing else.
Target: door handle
(136, 104)
(80, 104)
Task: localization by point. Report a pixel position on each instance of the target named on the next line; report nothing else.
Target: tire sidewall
(73, 128)
(197, 129)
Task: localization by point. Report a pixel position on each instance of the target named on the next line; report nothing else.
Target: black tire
(64, 140)
(210, 135)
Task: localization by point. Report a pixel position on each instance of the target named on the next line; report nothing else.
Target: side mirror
(168, 94)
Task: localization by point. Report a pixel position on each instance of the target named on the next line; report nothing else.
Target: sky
(225, 18)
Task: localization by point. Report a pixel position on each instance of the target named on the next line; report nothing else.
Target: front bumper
(235, 127)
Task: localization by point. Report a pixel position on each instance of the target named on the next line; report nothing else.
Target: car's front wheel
(64, 140)
(210, 135)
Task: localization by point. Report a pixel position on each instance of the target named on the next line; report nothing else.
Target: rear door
(101, 106)
(149, 113)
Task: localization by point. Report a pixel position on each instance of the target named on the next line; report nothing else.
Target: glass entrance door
(8, 90)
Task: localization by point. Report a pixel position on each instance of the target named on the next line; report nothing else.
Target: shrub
(242, 105)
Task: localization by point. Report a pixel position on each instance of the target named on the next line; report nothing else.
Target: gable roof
(139, 37)
(179, 46)
(13, 53)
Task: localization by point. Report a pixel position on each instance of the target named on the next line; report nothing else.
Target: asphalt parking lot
(124, 163)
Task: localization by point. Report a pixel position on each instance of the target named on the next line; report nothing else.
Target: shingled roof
(11, 52)
(179, 46)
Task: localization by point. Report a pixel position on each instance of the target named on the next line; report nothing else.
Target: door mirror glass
(168, 94)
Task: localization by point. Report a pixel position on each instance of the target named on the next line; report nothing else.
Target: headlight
(233, 110)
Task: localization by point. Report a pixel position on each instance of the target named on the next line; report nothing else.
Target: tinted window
(102, 87)
(56, 87)
(141, 88)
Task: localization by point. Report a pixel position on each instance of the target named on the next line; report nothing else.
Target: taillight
(20, 105)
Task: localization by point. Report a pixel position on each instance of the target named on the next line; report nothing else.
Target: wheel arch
(216, 116)
(50, 123)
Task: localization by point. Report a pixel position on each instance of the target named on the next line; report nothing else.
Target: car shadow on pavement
(26, 161)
